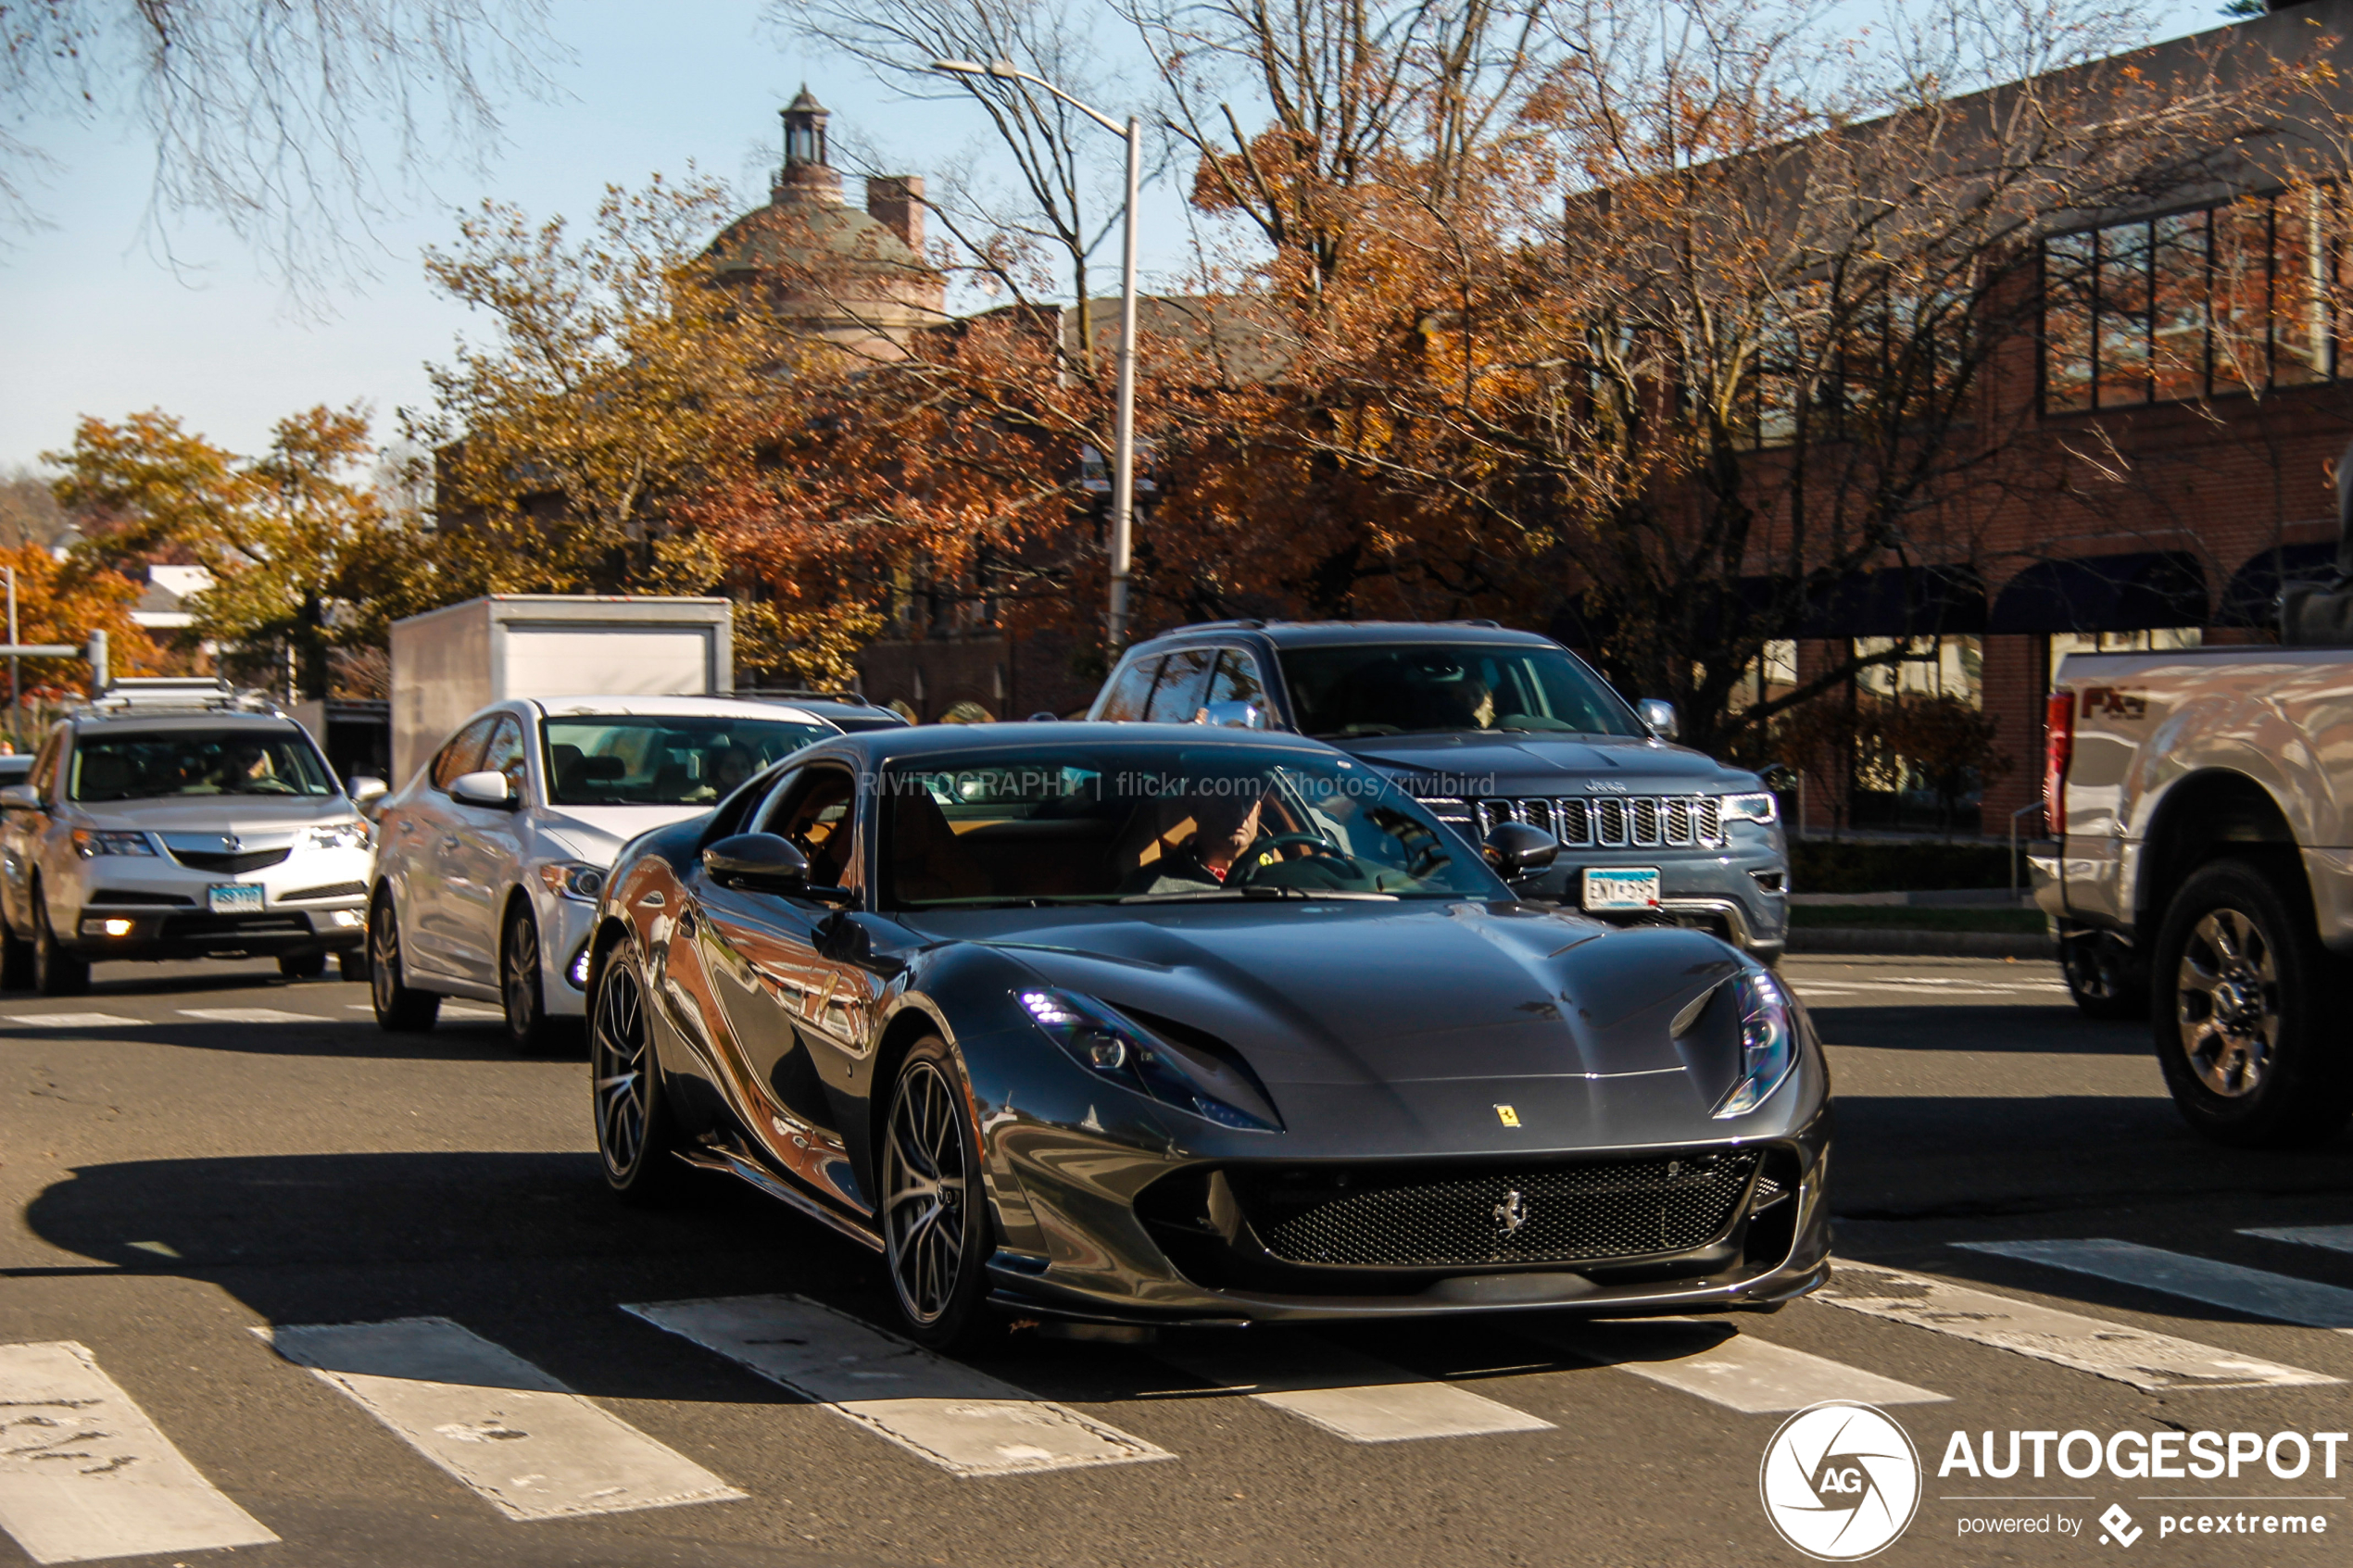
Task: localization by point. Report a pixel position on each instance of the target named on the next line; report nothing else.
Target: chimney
(896, 201)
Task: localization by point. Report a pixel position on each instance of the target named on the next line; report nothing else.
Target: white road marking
(2153, 1363)
(72, 1019)
(250, 1015)
(531, 1447)
(456, 1010)
(85, 1475)
(1348, 1394)
(2257, 1292)
(2336, 1238)
(1754, 1376)
(959, 1419)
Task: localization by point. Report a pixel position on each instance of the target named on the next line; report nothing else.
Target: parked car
(1181, 1025)
(2199, 877)
(177, 820)
(1485, 725)
(491, 860)
(847, 711)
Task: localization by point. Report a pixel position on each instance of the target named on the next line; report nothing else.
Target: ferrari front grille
(1559, 1213)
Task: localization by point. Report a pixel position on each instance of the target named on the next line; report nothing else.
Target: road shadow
(357, 1038)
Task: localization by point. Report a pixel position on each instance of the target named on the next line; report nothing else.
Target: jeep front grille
(1600, 821)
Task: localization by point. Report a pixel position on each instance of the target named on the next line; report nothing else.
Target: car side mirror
(19, 797)
(1233, 716)
(757, 862)
(1516, 849)
(1659, 714)
(483, 789)
(366, 789)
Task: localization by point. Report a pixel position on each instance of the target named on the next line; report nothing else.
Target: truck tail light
(2058, 750)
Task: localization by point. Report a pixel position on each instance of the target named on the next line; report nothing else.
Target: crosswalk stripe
(250, 1015)
(2336, 1238)
(482, 1015)
(962, 1419)
(1751, 1375)
(528, 1445)
(2153, 1363)
(2257, 1292)
(85, 1475)
(1348, 1394)
(72, 1019)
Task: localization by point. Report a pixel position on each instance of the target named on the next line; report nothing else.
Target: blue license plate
(234, 898)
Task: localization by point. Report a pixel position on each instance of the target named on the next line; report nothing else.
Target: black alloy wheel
(2106, 978)
(16, 956)
(529, 1029)
(56, 971)
(935, 1213)
(400, 1007)
(636, 1142)
(302, 966)
(2249, 1009)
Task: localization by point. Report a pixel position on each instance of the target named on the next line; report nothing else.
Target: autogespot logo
(1839, 1481)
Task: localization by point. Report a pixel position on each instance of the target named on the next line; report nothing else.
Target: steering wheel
(1257, 857)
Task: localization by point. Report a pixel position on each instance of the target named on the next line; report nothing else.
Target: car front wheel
(935, 1214)
(636, 1142)
(400, 1007)
(529, 1029)
(2249, 1009)
(56, 971)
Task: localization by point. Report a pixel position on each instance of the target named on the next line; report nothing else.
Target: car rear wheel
(302, 966)
(636, 1141)
(2248, 1029)
(399, 1006)
(56, 971)
(935, 1214)
(2106, 978)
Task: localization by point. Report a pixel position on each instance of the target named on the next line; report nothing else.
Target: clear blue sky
(96, 321)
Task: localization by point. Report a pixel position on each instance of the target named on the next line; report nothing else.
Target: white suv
(490, 862)
(178, 820)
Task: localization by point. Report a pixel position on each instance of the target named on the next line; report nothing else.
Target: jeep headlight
(1758, 808)
(1113, 1045)
(332, 836)
(1768, 1042)
(576, 880)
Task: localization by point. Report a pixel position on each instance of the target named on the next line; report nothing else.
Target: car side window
(1236, 679)
(463, 754)
(1183, 684)
(813, 811)
(1131, 685)
(504, 755)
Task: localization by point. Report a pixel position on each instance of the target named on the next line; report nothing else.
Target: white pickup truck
(2202, 799)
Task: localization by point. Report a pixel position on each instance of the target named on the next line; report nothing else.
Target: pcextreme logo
(1839, 1481)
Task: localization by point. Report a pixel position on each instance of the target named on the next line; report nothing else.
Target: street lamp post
(1122, 482)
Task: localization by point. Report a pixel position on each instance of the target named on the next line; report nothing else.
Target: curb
(1926, 944)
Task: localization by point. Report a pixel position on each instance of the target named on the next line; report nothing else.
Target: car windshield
(1410, 688)
(160, 764)
(1086, 824)
(664, 760)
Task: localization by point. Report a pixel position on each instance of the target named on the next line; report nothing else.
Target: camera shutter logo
(1839, 1481)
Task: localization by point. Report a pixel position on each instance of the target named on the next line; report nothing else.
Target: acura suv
(1487, 725)
(175, 819)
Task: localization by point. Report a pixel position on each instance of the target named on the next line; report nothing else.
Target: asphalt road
(174, 1182)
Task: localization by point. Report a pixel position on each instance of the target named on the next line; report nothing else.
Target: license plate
(234, 898)
(1621, 887)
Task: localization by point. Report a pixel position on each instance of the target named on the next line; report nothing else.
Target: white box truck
(447, 663)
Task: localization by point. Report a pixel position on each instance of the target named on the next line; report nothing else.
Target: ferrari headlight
(573, 879)
(1758, 808)
(1111, 1045)
(91, 843)
(333, 835)
(1768, 1042)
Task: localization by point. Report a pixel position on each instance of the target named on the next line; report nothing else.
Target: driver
(1226, 825)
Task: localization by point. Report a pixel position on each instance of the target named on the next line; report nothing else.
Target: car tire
(529, 1029)
(2247, 1010)
(352, 963)
(302, 966)
(56, 971)
(400, 1007)
(637, 1143)
(937, 1252)
(16, 958)
(2106, 978)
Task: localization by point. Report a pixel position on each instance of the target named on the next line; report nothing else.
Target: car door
(1183, 685)
(482, 854)
(24, 833)
(1236, 694)
(793, 1011)
(1130, 687)
(424, 837)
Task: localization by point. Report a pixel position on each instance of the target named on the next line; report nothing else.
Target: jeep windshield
(168, 764)
(1358, 689)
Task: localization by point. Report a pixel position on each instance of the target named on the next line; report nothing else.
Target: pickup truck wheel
(2249, 1014)
(2106, 978)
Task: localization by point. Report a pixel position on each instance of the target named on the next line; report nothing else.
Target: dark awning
(2123, 593)
(1908, 601)
(2253, 597)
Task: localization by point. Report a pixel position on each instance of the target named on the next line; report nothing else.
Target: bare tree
(30, 516)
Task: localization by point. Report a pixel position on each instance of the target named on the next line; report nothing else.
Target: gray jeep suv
(1485, 725)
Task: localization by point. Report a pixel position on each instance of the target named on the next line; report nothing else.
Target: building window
(2158, 639)
(1928, 667)
(2234, 298)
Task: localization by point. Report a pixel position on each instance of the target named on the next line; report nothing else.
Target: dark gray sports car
(1132, 1025)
